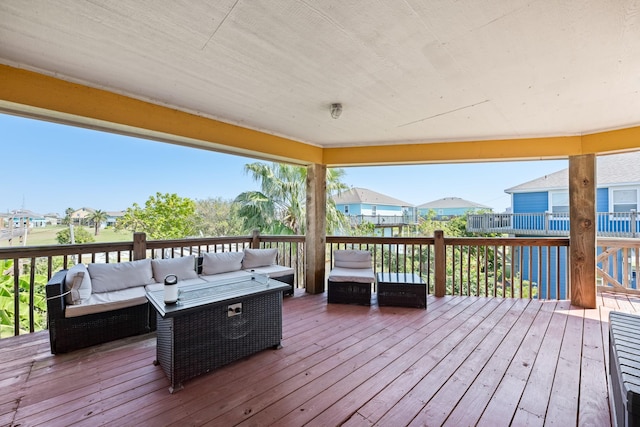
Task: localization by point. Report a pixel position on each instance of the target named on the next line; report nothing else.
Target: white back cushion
(84, 291)
(183, 267)
(351, 258)
(221, 262)
(259, 257)
(120, 275)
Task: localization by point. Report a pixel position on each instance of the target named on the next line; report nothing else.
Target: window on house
(560, 202)
(346, 209)
(625, 200)
(373, 210)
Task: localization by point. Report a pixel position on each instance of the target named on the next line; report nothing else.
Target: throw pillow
(73, 289)
(120, 275)
(351, 258)
(85, 289)
(221, 262)
(259, 257)
(183, 267)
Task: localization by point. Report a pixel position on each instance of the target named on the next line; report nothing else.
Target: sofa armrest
(55, 290)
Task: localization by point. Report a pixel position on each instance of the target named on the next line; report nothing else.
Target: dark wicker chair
(71, 333)
(351, 278)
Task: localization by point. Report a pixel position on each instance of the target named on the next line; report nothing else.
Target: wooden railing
(496, 267)
(610, 224)
(381, 220)
(500, 267)
(26, 270)
(617, 265)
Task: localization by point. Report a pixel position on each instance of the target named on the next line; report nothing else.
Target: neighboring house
(52, 218)
(362, 205)
(541, 208)
(112, 218)
(449, 207)
(81, 216)
(26, 218)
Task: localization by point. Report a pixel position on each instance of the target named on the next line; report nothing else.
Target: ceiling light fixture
(336, 110)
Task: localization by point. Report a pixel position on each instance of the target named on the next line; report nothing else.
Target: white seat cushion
(259, 258)
(120, 275)
(359, 275)
(221, 262)
(183, 267)
(107, 301)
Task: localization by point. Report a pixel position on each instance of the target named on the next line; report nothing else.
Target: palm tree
(98, 217)
(280, 205)
(67, 216)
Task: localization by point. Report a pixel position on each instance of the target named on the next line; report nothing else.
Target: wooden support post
(582, 234)
(440, 264)
(316, 228)
(255, 239)
(139, 246)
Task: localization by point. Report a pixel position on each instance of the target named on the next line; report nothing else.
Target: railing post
(139, 246)
(440, 264)
(547, 217)
(255, 239)
(632, 222)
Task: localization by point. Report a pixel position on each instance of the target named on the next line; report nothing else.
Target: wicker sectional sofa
(96, 303)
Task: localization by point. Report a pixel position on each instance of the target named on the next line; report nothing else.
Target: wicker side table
(401, 290)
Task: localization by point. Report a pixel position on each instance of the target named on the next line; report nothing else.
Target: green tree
(98, 217)
(280, 205)
(80, 235)
(67, 216)
(217, 217)
(164, 216)
(7, 309)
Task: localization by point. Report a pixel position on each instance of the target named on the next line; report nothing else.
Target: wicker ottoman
(624, 367)
(401, 290)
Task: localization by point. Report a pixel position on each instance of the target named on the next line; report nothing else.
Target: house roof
(357, 195)
(612, 169)
(24, 213)
(412, 72)
(451, 203)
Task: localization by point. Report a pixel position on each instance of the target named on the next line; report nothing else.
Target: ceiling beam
(44, 97)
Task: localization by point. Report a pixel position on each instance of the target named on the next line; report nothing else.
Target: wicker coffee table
(401, 290)
(216, 323)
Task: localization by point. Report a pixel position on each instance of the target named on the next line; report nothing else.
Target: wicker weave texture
(71, 333)
(402, 295)
(198, 341)
(624, 352)
(349, 293)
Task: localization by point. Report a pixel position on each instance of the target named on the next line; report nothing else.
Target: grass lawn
(47, 236)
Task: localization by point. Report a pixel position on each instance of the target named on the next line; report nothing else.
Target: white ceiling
(405, 71)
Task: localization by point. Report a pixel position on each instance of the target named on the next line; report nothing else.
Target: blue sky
(48, 167)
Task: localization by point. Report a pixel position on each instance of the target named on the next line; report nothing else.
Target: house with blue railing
(541, 208)
(386, 213)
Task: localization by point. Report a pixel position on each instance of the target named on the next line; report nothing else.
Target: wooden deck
(464, 361)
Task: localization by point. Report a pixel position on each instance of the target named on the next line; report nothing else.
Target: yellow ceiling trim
(33, 94)
(613, 141)
(141, 118)
(454, 152)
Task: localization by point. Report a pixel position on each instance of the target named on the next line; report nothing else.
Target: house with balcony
(386, 213)
(540, 207)
(449, 207)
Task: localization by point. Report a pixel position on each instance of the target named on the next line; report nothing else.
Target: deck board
(463, 361)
